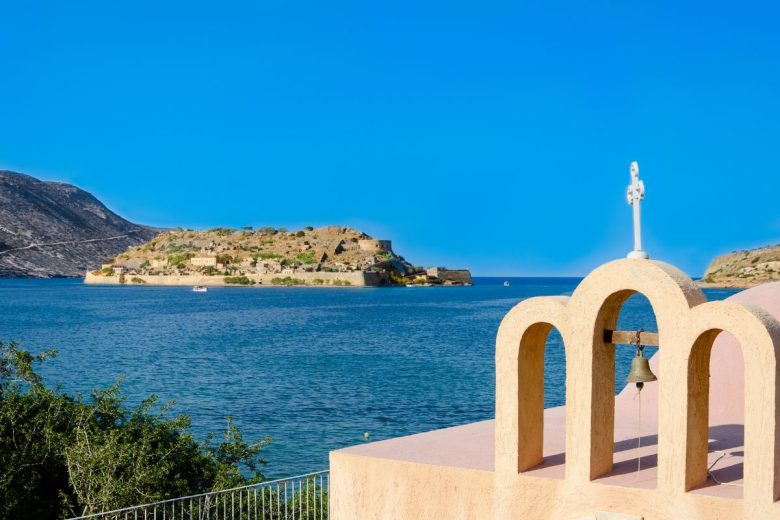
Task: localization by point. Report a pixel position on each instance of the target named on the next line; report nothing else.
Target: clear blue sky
(495, 136)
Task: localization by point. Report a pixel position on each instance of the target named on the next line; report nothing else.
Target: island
(742, 269)
(329, 256)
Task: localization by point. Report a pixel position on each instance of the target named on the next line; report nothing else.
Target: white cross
(635, 193)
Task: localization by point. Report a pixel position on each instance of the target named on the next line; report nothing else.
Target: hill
(325, 256)
(744, 268)
(54, 229)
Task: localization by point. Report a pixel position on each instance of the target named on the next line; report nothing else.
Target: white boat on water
(506, 283)
(200, 288)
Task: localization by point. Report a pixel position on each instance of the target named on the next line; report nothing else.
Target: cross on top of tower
(635, 194)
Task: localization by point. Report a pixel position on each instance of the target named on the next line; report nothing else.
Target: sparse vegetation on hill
(744, 268)
(240, 256)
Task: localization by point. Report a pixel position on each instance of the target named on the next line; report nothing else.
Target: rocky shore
(743, 269)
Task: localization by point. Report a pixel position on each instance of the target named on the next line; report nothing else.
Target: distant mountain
(53, 229)
(744, 268)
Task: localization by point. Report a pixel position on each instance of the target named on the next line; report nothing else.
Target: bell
(640, 370)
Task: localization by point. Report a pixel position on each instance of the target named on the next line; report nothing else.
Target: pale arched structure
(684, 319)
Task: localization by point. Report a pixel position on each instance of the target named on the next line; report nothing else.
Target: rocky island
(329, 256)
(745, 268)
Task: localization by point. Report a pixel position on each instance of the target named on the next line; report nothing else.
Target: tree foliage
(63, 455)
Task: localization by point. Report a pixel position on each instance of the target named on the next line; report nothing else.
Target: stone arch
(520, 346)
(758, 335)
(594, 307)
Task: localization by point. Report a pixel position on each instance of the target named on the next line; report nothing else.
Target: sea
(315, 369)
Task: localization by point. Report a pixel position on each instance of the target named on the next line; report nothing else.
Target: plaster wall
(366, 488)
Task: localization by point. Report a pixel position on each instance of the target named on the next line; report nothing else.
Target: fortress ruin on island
(329, 256)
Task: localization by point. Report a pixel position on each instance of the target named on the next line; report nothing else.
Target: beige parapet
(355, 279)
(387, 489)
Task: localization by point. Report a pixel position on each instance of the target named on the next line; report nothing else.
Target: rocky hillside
(248, 251)
(52, 229)
(744, 268)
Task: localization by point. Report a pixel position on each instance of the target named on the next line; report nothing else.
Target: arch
(520, 346)
(758, 335)
(594, 307)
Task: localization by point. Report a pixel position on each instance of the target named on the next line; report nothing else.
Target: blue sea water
(313, 368)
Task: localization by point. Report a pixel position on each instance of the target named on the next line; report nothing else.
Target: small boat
(506, 283)
(200, 288)
(411, 285)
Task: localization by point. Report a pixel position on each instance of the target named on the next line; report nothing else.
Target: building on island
(376, 246)
(203, 261)
(157, 263)
(710, 436)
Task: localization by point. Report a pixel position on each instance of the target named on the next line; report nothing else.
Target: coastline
(320, 279)
(732, 284)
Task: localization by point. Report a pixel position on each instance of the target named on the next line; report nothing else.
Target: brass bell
(640, 370)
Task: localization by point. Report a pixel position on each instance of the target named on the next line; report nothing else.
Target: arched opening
(541, 394)
(715, 447)
(626, 444)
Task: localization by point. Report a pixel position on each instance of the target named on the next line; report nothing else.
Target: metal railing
(304, 497)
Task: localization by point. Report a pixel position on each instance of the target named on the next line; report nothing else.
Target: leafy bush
(65, 455)
(224, 259)
(340, 282)
(135, 279)
(178, 260)
(267, 256)
(145, 264)
(318, 281)
(287, 280)
(238, 280)
(309, 228)
(221, 231)
(300, 234)
(107, 271)
(307, 258)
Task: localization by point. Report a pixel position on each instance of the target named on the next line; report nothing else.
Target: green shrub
(107, 271)
(300, 234)
(145, 264)
(267, 255)
(309, 228)
(340, 282)
(135, 279)
(287, 280)
(66, 455)
(318, 281)
(178, 260)
(238, 280)
(308, 257)
(221, 231)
